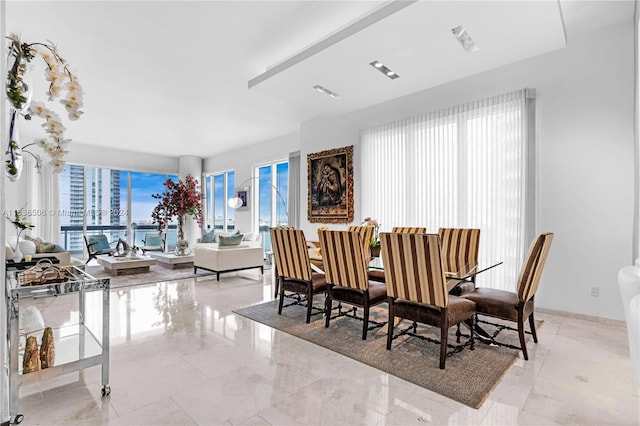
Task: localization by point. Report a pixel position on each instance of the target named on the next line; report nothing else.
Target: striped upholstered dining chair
(378, 275)
(460, 251)
(409, 229)
(417, 289)
(275, 268)
(293, 270)
(517, 306)
(345, 264)
(366, 232)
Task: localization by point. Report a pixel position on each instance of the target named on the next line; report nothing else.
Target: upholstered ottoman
(218, 259)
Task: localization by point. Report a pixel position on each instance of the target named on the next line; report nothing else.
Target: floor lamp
(240, 199)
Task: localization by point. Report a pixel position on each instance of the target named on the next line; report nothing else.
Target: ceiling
(173, 77)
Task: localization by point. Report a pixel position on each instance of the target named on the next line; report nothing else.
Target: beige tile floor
(179, 356)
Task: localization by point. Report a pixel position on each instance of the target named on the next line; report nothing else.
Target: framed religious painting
(330, 183)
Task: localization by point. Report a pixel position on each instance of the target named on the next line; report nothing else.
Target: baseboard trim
(585, 317)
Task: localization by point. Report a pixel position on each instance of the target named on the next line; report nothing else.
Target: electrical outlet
(595, 291)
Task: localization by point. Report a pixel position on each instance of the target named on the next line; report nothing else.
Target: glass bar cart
(78, 345)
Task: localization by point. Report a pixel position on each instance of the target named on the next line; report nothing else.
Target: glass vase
(17, 253)
(182, 248)
(19, 71)
(14, 160)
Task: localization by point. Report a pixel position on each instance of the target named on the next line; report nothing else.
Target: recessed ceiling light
(464, 38)
(386, 71)
(326, 91)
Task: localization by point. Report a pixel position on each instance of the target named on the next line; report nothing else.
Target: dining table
(454, 278)
(465, 273)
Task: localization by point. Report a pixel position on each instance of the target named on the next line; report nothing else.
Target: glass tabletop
(466, 273)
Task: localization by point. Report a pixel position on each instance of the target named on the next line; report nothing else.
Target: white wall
(89, 155)
(585, 164)
(242, 162)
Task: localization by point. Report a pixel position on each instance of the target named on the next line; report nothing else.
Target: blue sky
(142, 186)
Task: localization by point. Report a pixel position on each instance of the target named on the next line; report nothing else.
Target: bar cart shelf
(78, 345)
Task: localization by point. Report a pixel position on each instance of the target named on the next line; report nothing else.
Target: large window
(109, 202)
(272, 195)
(72, 208)
(219, 188)
(465, 166)
(143, 185)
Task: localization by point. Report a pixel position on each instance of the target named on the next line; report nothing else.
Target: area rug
(469, 376)
(156, 273)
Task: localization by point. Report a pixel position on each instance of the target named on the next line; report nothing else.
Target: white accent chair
(629, 284)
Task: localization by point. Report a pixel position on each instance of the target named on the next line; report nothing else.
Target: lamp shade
(235, 202)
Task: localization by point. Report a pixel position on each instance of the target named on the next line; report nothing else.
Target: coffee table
(125, 265)
(171, 260)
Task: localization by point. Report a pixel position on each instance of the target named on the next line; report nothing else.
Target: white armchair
(629, 284)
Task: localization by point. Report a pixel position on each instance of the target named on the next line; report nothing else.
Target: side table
(171, 260)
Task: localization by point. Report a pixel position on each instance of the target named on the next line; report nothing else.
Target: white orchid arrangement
(60, 79)
(367, 221)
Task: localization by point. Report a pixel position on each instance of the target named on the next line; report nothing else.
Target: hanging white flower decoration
(60, 79)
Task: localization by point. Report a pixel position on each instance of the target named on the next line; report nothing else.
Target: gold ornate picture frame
(330, 184)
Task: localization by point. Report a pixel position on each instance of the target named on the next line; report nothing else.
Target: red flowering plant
(179, 199)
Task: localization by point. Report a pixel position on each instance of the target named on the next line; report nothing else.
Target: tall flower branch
(60, 79)
(179, 200)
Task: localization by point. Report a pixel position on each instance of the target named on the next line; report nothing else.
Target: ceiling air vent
(464, 38)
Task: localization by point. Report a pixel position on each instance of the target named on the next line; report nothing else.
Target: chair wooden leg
(523, 344)
(392, 320)
(444, 332)
(281, 301)
(472, 330)
(532, 324)
(309, 302)
(327, 307)
(277, 287)
(458, 334)
(365, 325)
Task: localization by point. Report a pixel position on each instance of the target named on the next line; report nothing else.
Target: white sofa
(64, 257)
(215, 258)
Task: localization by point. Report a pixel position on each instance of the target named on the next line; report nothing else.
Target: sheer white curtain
(465, 166)
(43, 200)
(294, 189)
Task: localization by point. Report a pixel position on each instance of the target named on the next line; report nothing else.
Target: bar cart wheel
(17, 419)
(106, 390)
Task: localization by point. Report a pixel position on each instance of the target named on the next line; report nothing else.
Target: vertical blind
(464, 167)
(294, 189)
